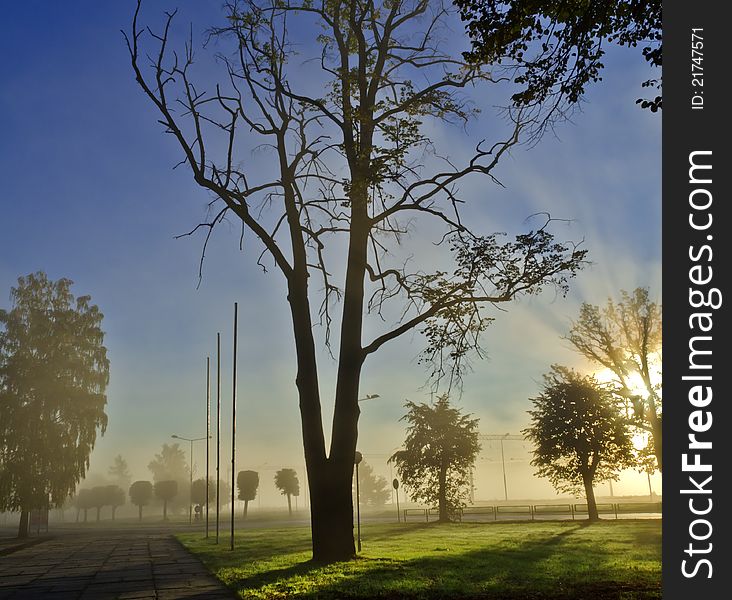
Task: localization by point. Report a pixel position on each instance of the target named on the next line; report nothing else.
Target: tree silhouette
(286, 481)
(141, 493)
(439, 451)
(579, 435)
(166, 491)
(171, 464)
(625, 337)
(554, 48)
(53, 376)
(115, 497)
(247, 483)
(84, 500)
(355, 174)
(374, 489)
(99, 498)
(120, 472)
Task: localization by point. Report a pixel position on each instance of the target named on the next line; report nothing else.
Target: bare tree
(354, 174)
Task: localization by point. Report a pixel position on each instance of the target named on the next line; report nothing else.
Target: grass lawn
(536, 560)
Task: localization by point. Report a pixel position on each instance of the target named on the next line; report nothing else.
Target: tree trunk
(23, 524)
(590, 495)
(78, 514)
(442, 495)
(86, 514)
(139, 512)
(165, 510)
(289, 504)
(99, 510)
(246, 508)
(114, 510)
(657, 440)
(331, 510)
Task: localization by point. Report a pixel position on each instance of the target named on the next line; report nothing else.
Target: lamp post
(357, 459)
(190, 489)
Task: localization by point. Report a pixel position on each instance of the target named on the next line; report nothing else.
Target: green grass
(537, 560)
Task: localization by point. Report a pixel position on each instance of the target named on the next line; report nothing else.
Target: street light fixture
(190, 489)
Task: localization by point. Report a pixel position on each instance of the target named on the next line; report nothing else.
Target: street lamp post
(357, 459)
(190, 489)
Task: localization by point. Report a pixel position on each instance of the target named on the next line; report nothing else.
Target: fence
(532, 511)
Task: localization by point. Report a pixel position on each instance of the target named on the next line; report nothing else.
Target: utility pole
(233, 426)
(208, 433)
(501, 439)
(218, 431)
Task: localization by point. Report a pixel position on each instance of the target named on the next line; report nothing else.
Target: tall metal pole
(208, 432)
(218, 431)
(233, 425)
(358, 509)
(503, 462)
(190, 490)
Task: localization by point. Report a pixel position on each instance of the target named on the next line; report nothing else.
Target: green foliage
(374, 489)
(141, 493)
(166, 490)
(578, 431)
(439, 450)
(287, 482)
(555, 47)
(247, 483)
(169, 464)
(198, 491)
(53, 377)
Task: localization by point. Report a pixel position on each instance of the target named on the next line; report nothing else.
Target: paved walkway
(91, 566)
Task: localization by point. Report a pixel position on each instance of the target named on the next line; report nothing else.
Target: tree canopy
(289, 485)
(439, 451)
(247, 483)
(579, 434)
(119, 472)
(374, 489)
(353, 175)
(625, 338)
(141, 493)
(166, 491)
(555, 48)
(54, 373)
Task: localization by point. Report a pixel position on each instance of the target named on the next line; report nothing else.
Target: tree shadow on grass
(549, 565)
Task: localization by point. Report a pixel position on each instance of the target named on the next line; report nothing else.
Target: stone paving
(139, 566)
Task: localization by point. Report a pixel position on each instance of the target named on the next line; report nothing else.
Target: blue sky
(88, 192)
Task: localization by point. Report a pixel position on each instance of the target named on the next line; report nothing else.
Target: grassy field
(537, 560)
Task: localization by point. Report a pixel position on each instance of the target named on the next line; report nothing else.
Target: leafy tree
(120, 472)
(625, 338)
(439, 451)
(247, 483)
(354, 173)
(374, 489)
(141, 493)
(554, 48)
(53, 376)
(99, 495)
(166, 491)
(171, 464)
(84, 500)
(115, 498)
(579, 435)
(287, 482)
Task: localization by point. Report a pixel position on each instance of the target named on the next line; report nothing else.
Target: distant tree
(286, 481)
(171, 464)
(115, 498)
(141, 493)
(555, 48)
(53, 377)
(166, 491)
(625, 338)
(224, 493)
(247, 483)
(119, 472)
(84, 500)
(439, 451)
(374, 489)
(99, 498)
(579, 435)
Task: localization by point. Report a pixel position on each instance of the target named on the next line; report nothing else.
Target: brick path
(140, 566)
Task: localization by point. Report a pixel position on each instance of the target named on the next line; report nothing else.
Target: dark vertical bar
(233, 425)
(208, 433)
(218, 432)
(696, 168)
